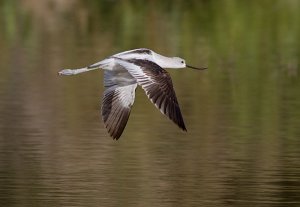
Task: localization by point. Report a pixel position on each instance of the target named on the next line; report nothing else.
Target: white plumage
(123, 72)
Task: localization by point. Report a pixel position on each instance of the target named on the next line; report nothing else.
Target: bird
(123, 72)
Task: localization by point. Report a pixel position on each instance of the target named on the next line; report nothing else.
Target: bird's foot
(66, 72)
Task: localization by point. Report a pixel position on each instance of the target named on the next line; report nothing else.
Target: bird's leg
(75, 71)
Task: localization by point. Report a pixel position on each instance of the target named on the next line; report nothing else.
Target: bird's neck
(162, 61)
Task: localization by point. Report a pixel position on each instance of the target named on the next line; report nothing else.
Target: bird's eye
(182, 61)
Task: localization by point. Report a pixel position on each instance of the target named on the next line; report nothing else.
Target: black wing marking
(118, 98)
(158, 86)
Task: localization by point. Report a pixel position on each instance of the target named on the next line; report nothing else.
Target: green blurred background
(242, 114)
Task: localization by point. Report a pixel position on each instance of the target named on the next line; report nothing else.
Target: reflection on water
(242, 115)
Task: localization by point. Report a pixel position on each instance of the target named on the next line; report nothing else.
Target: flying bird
(123, 72)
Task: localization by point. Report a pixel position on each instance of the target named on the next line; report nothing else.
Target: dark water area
(242, 147)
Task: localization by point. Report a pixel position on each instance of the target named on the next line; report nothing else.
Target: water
(242, 147)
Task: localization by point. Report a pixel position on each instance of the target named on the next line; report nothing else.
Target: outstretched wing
(158, 86)
(117, 101)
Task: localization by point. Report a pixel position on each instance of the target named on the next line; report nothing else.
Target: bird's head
(172, 62)
(180, 63)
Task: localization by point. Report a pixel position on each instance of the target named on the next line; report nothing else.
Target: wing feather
(116, 104)
(158, 86)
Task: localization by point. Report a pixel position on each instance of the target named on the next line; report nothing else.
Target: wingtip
(116, 138)
(183, 128)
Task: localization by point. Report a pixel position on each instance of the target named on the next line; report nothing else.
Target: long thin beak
(188, 66)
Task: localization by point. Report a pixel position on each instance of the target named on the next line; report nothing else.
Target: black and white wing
(118, 98)
(158, 86)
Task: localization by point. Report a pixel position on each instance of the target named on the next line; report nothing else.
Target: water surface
(242, 147)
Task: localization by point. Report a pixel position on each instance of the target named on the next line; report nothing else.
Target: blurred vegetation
(251, 47)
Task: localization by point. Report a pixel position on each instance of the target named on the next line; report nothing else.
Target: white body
(109, 63)
(123, 72)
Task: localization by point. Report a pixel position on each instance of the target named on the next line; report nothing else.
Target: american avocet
(123, 72)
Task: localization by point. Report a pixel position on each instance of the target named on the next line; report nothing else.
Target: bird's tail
(104, 64)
